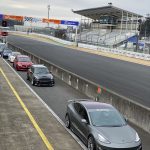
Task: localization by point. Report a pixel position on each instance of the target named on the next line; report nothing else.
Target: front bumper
(50, 82)
(99, 147)
(5, 56)
(23, 67)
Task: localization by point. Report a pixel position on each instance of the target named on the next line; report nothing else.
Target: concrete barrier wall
(48, 37)
(116, 51)
(135, 112)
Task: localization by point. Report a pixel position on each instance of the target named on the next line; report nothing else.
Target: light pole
(48, 7)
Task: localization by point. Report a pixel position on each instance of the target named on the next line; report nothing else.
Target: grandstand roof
(95, 13)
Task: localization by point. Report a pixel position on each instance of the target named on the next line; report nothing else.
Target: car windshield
(15, 53)
(106, 118)
(41, 70)
(24, 59)
(7, 51)
(2, 46)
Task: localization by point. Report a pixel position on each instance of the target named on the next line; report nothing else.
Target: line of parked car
(99, 125)
(37, 74)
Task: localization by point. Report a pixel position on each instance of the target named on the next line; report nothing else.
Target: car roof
(22, 56)
(16, 52)
(89, 104)
(7, 49)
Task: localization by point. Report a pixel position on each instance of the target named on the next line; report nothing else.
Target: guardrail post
(77, 87)
(62, 76)
(86, 88)
(69, 80)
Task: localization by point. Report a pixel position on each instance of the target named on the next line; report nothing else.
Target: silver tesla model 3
(100, 126)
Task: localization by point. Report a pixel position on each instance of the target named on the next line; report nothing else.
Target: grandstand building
(107, 26)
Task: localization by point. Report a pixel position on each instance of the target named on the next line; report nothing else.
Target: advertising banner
(36, 20)
(73, 23)
(28, 18)
(51, 21)
(10, 17)
(1, 16)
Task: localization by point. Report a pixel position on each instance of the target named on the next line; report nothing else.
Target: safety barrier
(135, 112)
(48, 37)
(116, 51)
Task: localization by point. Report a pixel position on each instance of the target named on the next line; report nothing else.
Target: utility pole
(48, 7)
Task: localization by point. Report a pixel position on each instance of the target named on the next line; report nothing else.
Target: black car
(6, 53)
(40, 75)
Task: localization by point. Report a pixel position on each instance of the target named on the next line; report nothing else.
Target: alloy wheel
(91, 144)
(67, 121)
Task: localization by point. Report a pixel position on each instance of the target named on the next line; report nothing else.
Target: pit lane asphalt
(26, 122)
(56, 98)
(125, 78)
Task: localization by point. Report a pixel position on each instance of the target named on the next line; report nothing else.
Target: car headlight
(137, 138)
(103, 139)
(36, 78)
(19, 65)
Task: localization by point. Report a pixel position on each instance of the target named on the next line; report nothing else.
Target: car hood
(39, 76)
(119, 135)
(5, 53)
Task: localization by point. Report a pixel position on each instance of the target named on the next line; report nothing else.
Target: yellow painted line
(40, 132)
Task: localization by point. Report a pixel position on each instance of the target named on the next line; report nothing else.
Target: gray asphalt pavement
(25, 122)
(56, 98)
(128, 79)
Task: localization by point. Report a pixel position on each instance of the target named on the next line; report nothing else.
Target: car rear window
(24, 59)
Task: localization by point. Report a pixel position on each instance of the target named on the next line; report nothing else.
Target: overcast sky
(61, 9)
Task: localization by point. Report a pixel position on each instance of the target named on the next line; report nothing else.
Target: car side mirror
(126, 120)
(84, 121)
(29, 70)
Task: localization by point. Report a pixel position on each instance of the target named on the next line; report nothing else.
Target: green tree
(144, 28)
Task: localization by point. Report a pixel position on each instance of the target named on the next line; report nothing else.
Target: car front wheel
(91, 143)
(32, 82)
(27, 77)
(67, 121)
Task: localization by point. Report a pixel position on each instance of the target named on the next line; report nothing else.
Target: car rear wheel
(91, 143)
(16, 68)
(67, 121)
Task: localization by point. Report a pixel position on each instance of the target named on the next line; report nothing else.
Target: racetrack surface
(125, 78)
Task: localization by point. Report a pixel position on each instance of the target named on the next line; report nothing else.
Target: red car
(22, 62)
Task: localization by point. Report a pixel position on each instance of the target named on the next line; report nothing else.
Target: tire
(17, 68)
(13, 65)
(91, 143)
(67, 121)
(27, 77)
(32, 82)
